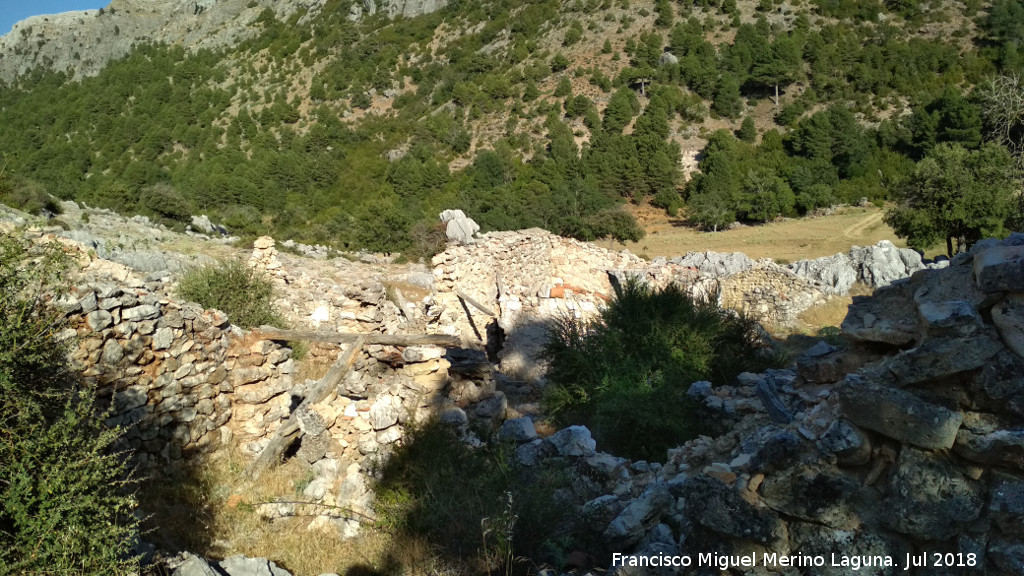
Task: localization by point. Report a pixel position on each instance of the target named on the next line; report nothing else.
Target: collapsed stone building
(907, 441)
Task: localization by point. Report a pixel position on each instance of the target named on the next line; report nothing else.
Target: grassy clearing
(211, 510)
(785, 241)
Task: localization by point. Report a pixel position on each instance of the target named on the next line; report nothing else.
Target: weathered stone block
(899, 414)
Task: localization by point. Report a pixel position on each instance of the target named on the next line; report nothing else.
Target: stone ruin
(909, 441)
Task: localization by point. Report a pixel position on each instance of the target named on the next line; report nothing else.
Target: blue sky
(12, 11)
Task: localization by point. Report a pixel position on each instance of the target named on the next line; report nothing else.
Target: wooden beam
(347, 337)
(290, 431)
(465, 297)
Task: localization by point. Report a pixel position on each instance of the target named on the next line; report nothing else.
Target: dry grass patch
(211, 509)
(787, 240)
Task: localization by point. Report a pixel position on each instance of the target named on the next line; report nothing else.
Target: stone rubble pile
(530, 277)
(910, 441)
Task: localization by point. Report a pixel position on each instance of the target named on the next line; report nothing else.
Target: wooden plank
(268, 333)
(290, 431)
(402, 304)
(465, 297)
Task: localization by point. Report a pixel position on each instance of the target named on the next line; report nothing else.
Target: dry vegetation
(211, 510)
(785, 240)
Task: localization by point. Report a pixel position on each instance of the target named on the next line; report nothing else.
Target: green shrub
(244, 294)
(65, 501)
(473, 506)
(626, 373)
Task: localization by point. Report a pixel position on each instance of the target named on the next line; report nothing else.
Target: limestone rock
(98, 320)
(928, 498)
(383, 413)
(630, 526)
(1008, 316)
(850, 444)
(815, 494)
(243, 566)
(1000, 269)
(1006, 506)
(518, 430)
(460, 228)
(715, 506)
(899, 414)
(194, 566)
(950, 318)
(942, 358)
(888, 317)
(998, 448)
(573, 441)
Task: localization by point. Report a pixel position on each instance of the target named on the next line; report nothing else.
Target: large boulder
(942, 358)
(929, 499)
(898, 414)
(459, 227)
(718, 508)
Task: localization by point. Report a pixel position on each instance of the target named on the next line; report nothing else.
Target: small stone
(518, 430)
(98, 320)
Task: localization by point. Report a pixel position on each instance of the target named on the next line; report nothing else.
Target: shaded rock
(887, 318)
(242, 566)
(949, 319)
(898, 414)
(454, 416)
(1000, 269)
(642, 514)
(492, 408)
(715, 506)
(941, 358)
(772, 448)
(1006, 506)
(518, 430)
(642, 563)
(195, 566)
(812, 494)
(999, 448)
(573, 441)
(824, 363)
(817, 540)
(1008, 316)
(850, 444)
(533, 452)
(1007, 555)
(928, 498)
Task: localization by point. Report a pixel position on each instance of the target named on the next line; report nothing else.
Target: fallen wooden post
(290, 430)
(465, 297)
(346, 337)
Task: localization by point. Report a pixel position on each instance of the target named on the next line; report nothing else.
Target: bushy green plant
(66, 506)
(244, 294)
(472, 504)
(625, 374)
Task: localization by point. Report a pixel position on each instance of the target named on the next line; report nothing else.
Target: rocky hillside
(82, 43)
(902, 443)
(331, 123)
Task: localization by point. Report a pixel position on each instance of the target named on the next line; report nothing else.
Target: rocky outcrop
(83, 42)
(897, 449)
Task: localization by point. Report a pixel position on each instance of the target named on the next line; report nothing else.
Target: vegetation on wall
(66, 501)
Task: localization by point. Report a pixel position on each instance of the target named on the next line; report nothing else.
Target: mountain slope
(330, 124)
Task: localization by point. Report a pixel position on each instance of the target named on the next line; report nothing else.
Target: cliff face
(83, 42)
